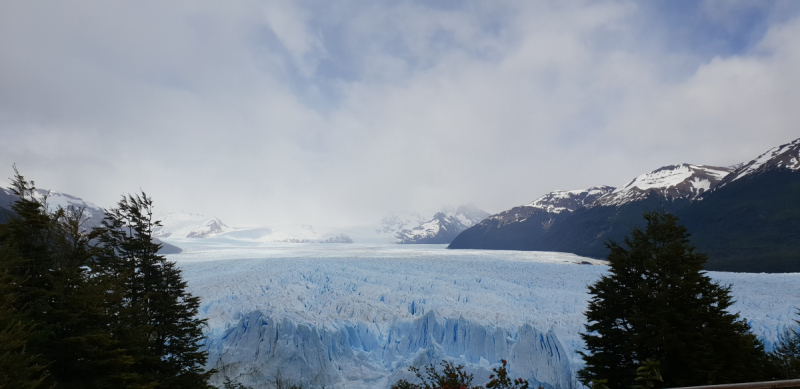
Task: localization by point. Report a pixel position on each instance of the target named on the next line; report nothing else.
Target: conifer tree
(59, 312)
(657, 303)
(155, 317)
(18, 368)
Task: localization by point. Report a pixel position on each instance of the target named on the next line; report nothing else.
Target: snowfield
(356, 316)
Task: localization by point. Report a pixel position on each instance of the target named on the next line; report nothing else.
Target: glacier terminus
(358, 315)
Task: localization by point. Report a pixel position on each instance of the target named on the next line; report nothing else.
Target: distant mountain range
(442, 228)
(745, 217)
(189, 225)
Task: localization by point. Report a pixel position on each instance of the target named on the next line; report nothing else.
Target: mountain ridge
(685, 190)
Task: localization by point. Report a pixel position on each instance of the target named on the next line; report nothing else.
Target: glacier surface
(357, 316)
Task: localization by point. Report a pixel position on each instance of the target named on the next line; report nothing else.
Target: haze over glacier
(356, 316)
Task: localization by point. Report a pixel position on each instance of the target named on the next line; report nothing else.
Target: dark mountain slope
(527, 227)
(557, 222)
(588, 229)
(751, 224)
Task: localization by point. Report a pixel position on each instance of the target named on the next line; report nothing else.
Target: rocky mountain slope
(734, 214)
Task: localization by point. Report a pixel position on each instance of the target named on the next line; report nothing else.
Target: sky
(341, 112)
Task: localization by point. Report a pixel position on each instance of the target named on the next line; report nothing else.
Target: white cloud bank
(340, 112)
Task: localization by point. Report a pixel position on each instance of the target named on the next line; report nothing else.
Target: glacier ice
(356, 315)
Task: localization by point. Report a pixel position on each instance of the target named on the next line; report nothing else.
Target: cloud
(338, 113)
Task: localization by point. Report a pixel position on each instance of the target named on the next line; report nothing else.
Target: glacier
(358, 315)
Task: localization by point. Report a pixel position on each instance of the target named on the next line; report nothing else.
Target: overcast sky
(340, 112)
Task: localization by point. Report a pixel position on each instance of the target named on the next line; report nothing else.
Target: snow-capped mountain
(569, 200)
(786, 156)
(392, 224)
(745, 217)
(189, 225)
(211, 227)
(551, 204)
(443, 227)
(672, 182)
(549, 222)
(92, 213)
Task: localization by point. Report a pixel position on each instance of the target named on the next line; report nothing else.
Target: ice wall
(352, 355)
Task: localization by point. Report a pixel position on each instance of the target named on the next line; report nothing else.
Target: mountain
(189, 225)
(527, 227)
(394, 223)
(443, 227)
(6, 199)
(92, 213)
(581, 221)
(670, 183)
(750, 221)
(744, 217)
(785, 157)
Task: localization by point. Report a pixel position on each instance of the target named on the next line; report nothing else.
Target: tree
(454, 377)
(786, 357)
(500, 379)
(55, 310)
(657, 303)
(155, 318)
(18, 368)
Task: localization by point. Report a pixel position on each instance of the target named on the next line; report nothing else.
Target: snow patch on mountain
(684, 181)
(786, 156)
(554, 203)
(569, 200)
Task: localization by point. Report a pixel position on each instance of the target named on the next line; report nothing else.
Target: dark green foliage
(73, 315)
(154, 317)
(451, 377)
(657, 303)
(500, 379)
(18, 369)
(233, 384)
(454, 377)
(648, 376)
(786, 357)
(55, 299)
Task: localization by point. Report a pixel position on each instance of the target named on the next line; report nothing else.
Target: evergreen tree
(55, 301)
(18, 368)
(656, 303)
(155, 318)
